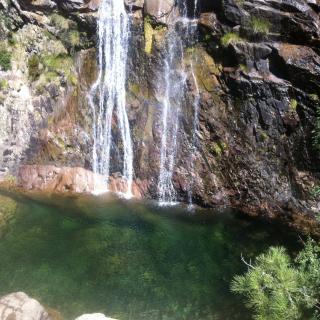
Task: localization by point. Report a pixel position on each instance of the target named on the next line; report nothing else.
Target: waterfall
(173, 95)
(174, 87)
(107, 96)
(193, 37)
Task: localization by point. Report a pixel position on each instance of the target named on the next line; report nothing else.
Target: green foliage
(68, 32)
(72, 78)
(74, 38)
(316, 132)
(240, 2)
(315, 191)
(59, 64)
(34, 67)
(230, 37)
(275, 287)
(260, 26)
(59, 21)
(293, 104)
(11, 39)
(5, 60)
(313, 96)
(244, 68)
(218, 148)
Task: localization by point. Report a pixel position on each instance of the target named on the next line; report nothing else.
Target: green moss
(60, 63)
(5, 60)
(3, 84)
(230, 37)
(239, 2)
(148, 35)
(293, 104)
(2, 98)
(218, 148)
(12, 39)
(51, 76)
(134, 88)
(72, 78)
(315, 192)
(74, 37)
(260, 26)
(34, 67)
(59, 21)
(264, 136)
(313, 96)
(244, 68)
(49, 35)
(68, 31)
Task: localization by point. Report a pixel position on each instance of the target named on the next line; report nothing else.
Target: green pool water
(130, 260)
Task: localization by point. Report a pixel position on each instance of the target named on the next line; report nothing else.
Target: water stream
(181, 34)
(108, 94)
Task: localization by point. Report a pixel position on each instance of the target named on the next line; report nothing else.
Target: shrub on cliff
(259, 26)
(34, 67)
(5, 60)
(276, 287)
(230, 37)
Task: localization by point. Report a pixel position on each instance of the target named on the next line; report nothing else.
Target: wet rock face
(259, 96)
(19, 306)
(53, 179)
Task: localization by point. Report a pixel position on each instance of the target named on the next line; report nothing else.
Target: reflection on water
(130, 260)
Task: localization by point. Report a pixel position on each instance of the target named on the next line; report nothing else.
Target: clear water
(130, 260)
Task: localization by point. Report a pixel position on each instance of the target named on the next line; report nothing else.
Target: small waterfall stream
(181, 33)
(107, 96)
(174, 87)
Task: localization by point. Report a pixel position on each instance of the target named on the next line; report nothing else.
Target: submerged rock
(8, 207)
(19, 306)
(94, 316)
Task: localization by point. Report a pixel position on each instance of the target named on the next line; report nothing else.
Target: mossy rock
(153, 33)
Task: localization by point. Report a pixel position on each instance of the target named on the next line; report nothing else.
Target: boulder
(72, 5)
(43, 5)
(19, 306)
(302, 65)
(159, 10)
(79, 5)
(134, 4)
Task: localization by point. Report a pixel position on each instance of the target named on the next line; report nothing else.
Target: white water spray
(107, 96)
(175, 76)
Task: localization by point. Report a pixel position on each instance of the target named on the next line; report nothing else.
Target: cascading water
(193, 37)
(174, 75)
(175, 80)
(107, 96)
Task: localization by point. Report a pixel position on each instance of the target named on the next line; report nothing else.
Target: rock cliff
(258, 68)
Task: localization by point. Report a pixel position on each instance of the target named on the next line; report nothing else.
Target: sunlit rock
(19, 306)
(54, 179)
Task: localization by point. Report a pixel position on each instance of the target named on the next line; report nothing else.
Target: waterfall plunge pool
(130, 260)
